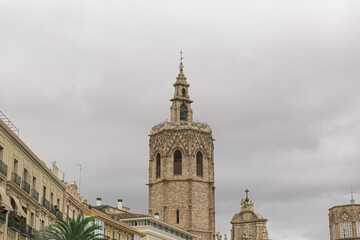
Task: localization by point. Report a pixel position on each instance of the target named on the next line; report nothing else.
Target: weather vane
(181, 58)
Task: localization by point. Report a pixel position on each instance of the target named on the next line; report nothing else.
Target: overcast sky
(278, 81)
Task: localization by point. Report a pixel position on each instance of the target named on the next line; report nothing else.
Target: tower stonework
(181, 168)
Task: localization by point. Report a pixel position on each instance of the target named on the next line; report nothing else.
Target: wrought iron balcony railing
(16, 178)
(46, 204)
(14, 222)
(3, 168)
(25, 230)
(59, 214)
(25, 186)
(34, 234)
(2, 216)
(53, 209)
(35, 194)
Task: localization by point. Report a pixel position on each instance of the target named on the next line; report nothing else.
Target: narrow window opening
(26, 176)
(44, 192)
(177, 162)
(158, 165)
(183, 113)
(16, 165)
(177, 216)
(32, 219)
(34, 182)
(1, 153)
(183, 92)
(199, 164)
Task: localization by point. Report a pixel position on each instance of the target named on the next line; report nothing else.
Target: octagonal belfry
(181, 168)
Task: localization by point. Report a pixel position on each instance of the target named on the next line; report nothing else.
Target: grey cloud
(276, 80)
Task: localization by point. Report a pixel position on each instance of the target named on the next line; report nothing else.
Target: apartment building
(112, 228)
(31, 195)
(73, 201)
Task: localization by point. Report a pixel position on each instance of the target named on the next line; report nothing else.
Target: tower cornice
(196, 126)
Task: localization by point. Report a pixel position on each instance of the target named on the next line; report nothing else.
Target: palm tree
(72, 229)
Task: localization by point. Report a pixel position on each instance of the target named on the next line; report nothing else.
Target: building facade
(111, 227)
(153, 228)
(248, 224)
(344, 222)
(181, 168)
(72, 202)
(31, 194)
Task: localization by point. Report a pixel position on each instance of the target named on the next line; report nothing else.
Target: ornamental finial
(181, 66)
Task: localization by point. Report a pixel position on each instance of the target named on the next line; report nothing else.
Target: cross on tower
(247, 195)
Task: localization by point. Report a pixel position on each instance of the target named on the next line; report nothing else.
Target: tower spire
(181, 107)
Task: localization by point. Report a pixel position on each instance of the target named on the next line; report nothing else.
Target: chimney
(98, 201)
(120, 205)
(157, 215)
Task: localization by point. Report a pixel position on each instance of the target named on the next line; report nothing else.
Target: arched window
(358, 225)
(177, 162)
(345, 226)
(158, 165)
(183, 113)
(199, 164)
(183, 92)
(177, 216)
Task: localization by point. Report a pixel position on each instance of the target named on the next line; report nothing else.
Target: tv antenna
(352, 201)
(80, 169)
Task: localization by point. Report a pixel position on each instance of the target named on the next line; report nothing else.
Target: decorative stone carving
(248, 224)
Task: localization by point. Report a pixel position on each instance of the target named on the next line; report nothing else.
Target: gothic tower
(181, 168)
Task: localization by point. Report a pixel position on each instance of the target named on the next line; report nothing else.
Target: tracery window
(177, 162)
(199, 164)
(345, 226)
(183, 113)
(358, 225)
(333, 231)
(158, 165)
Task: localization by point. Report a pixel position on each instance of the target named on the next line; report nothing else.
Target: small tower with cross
(248, 224)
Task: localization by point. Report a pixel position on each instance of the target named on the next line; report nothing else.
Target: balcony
(59, 214)
(35, 194)
(53, 209)
(25, 230)
(16, 178)
(2, 216)
(3, 168)
(46, 204)
(14, 222)
(34, 234)
(25, 186)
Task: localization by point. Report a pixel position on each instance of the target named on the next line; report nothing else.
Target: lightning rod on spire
(181, 58)
(352, 201)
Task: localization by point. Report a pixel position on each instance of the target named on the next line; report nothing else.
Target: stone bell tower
(181, 168)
